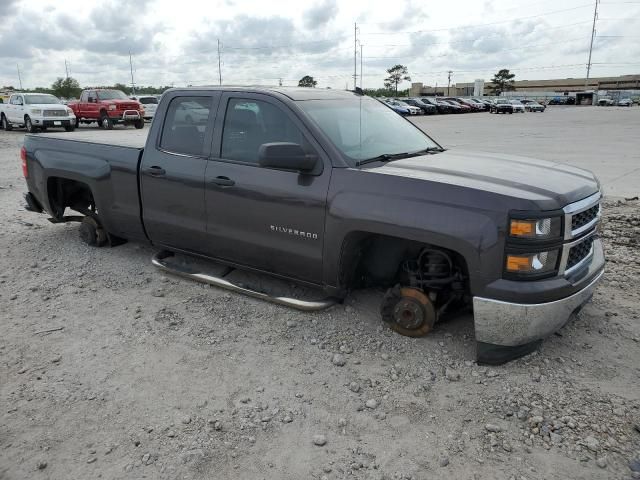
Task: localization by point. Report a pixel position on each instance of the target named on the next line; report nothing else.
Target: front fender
(472, 231)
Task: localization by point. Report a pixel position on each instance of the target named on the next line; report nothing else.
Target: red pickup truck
(107, 108)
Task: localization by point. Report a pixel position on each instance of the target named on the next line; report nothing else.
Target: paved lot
(110, 369)
(605, 140)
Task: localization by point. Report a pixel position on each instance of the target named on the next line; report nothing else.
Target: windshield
(40, 99)
(516, 102)
(112, 95)
(362, 128)
(502, 101)
(148, 100)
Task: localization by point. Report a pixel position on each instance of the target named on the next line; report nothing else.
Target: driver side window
(249, 123)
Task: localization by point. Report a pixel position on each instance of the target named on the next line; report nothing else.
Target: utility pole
(66, 68)
(133, 85)
(355, 54)
(219, 65)
(449, 83)
(19, 77)
(280, 81)
(361, 75)
(593, 34)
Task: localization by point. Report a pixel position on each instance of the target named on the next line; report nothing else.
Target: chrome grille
(582, 216)
(54, 113)
(579, 252)
(581, 219)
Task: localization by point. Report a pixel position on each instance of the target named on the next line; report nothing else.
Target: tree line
(503, 81)
(69, 87)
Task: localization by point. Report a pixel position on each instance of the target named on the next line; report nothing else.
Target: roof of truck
(294, 93)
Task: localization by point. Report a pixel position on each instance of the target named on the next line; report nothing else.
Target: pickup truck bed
(107, 161)
(117, 137)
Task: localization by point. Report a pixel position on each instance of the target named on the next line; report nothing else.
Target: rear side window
(250, 123)
(148, 100)
(185, 125)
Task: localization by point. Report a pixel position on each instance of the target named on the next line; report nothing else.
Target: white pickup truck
(36, 111)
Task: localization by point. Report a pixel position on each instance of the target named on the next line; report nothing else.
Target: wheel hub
(408, 313)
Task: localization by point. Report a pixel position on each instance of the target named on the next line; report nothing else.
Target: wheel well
(103, 110)
(374, 260)
(73, 194)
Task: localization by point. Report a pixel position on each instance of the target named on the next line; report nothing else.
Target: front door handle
(223, 181)
(155, 171)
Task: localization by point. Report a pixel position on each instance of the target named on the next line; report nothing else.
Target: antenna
(19, 77)
(219, 64)
(593, 34)
(133, 85)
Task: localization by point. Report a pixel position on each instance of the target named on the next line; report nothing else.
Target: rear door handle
(155, 171)
(223, 181)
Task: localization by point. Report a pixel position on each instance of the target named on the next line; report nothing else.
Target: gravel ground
(148, 376)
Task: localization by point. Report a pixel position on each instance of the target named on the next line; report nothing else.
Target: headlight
(112, 107)
(532, 263)
(536, 229)
(36, 111)
(70, 112)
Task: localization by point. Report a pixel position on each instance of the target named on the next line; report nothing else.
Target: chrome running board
(159, 261)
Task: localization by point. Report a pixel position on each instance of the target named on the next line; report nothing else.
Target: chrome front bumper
(514, 324)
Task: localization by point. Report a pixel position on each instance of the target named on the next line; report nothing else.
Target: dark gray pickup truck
(334, 190)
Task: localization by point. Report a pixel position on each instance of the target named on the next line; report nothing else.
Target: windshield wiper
(387, 157)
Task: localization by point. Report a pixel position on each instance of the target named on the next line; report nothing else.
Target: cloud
(320, 15)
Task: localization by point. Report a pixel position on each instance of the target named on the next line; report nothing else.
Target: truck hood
(549, 185)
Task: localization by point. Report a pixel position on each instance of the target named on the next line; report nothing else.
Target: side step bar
(159, 261)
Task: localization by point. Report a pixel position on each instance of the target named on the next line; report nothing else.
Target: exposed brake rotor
(408, 311)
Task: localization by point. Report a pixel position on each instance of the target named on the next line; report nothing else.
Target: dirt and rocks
(110, 369)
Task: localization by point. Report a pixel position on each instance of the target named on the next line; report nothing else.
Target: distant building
(563, 86)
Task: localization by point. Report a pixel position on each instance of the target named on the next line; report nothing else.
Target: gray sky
(175, 42)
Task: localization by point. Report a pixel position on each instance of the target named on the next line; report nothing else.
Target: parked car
(107, 108)
(396, 107)
(558, 101)
(625, 102)
(413, 110)
(533, 106)
(475, 107)
(518, 107)
(426, 108)
(606, 102)
(462, 107)
(149, 103)
(331, 189)
(36, 111)
(501, 105)
(481, 105)
(442, 108)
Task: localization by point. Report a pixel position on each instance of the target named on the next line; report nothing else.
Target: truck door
(17, 103)
(89, 107)
(172, 172)
(264, 218)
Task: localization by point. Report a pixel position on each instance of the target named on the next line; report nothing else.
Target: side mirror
(286, 156)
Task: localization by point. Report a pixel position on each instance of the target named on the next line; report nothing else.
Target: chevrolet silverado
(334, 190)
